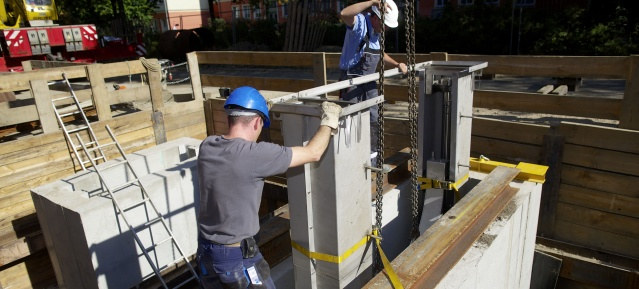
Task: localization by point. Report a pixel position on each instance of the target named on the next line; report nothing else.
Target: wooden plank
(616, 139)
(98, 89)
(124, 68)
(599, 220)
(605, 108)
(597, 240)
(21, 248)
(44, 106)
(20, 80)
(591, 268)
(197, 131)
(600, 180)
(545, 271)
(427, 260)
(260, 83)
(35, 271)
(598, 200)
(194, 72)
(319, 69)
(630, 106)
(504, 150)
(257, 58)
(552, 153)
(508, 130)
(614, 67)
(185, 120)
(606, 160)
(51, 143)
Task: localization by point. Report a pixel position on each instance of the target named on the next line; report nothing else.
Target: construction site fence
(590, 197)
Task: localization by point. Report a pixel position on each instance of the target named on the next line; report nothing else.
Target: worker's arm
(392, 63)
(315, 148)
(348, 14)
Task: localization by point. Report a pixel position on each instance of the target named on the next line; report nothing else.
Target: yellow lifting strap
(392, 276)
(339, 259)
(327, 257)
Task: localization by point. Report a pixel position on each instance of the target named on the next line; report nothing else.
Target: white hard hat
(390, 15)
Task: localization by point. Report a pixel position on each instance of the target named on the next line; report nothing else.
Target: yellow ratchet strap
(338, 259)
(435, 184)
(327, 257)
(392, 276)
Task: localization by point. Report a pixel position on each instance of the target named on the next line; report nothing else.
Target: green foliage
(103, 12)
(604, 29)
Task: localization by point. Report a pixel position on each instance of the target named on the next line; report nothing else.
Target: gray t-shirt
(231, 175)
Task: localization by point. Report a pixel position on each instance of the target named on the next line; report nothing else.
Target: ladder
(93, 149)
(152, 217)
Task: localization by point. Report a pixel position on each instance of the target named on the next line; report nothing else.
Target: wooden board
(504, 150)
(614, 67)
(616, 139)
(600, 180)
(605, 160)
(547, 103)
(598, 200)
(595, 239)
(511, 131)
(599, 220)
(261, 83)
(256, 58)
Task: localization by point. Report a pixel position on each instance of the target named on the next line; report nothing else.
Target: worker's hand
(378, 3)
(402, 68)
(330, 115)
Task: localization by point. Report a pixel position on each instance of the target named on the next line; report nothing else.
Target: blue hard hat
(249, 98)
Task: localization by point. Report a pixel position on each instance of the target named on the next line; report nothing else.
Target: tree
(117, 17)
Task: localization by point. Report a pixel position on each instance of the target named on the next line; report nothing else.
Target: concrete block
(90, 245)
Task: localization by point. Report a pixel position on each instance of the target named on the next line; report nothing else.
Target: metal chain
(412, 114)
(377, 263)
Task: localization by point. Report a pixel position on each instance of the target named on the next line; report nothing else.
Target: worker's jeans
(222, 266)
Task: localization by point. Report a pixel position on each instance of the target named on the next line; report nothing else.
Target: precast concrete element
(90, 245)
(487, 240)
(445, 119)
(330, 201)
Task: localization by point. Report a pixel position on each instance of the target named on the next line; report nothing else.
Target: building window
(246, 11)
(236, 12)
(257, 13)
(465, 2)
(284, 10)
(525, 3)
(440, 3)
(492, 2)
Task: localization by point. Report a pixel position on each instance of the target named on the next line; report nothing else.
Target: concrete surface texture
(89, 244)
(329, 201)
(502, 257)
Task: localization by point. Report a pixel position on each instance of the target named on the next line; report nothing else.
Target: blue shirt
(354, 35)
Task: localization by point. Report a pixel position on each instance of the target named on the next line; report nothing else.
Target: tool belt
(249, 247)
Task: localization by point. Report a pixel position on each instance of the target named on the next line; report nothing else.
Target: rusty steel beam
(426, 261)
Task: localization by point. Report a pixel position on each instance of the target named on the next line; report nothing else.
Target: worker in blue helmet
(231, 172)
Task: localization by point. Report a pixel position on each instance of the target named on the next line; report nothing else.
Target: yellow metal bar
(529, 172)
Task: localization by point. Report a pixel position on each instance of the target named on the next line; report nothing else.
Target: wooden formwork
(591, 198)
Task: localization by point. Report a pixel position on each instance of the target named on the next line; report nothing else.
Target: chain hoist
(379, 181)
(412, 114)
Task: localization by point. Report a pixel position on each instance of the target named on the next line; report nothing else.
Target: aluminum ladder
(152, 216)
(93, 150)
